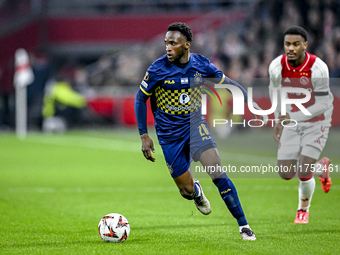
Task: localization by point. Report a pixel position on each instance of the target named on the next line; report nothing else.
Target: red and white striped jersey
(312, 75)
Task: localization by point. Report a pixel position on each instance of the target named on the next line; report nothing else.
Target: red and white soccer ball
(114, 228)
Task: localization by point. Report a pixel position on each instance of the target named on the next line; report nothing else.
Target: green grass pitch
(54, 189)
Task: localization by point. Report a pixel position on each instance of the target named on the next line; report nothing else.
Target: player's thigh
(290, 144)
(201, 140)
(287, 168)
(177, 156)
(314, 139)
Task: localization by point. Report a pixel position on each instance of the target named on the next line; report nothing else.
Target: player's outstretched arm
(147, 147)
(264, 118)
(228, 81)
(141, 114)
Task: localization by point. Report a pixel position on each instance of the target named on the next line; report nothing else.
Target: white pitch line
(89, 142)
(130, 146)
(90, 190)
(246, 158)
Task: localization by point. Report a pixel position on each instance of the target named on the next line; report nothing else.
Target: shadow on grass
(185, 226)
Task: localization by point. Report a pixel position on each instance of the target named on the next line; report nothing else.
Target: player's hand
(277, 132)
(285, 118)
(147, 147)
(264, 118)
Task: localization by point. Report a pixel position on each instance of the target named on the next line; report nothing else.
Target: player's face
(177, 47)
(295, 46)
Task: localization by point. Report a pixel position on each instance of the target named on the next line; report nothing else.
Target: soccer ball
(114, 228)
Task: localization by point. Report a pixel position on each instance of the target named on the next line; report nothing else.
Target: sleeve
(320, 78)
(141, 111)
(146, 89)
(220, 78)
(149, 82)
(320, 81)
(318, 108)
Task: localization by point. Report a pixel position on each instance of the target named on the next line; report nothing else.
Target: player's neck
(299, 61)
(183, 61)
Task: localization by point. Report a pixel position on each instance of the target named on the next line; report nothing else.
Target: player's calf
(187, 195)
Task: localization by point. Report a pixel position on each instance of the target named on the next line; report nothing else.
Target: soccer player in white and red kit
(301, 144)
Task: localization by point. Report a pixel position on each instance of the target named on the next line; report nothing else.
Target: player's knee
(286, 175)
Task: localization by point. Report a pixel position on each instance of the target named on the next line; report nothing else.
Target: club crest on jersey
(170, 168)
(184, 98)
(198, 77)
(304, 80)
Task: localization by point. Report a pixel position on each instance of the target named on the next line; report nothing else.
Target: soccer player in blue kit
(181, 129)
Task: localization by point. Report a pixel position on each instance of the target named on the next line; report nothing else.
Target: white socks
(306, 190)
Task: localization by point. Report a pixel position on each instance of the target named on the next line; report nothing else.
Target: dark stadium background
(104, 47)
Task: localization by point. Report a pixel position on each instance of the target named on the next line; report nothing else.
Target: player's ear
(305, 44)
(187, 45)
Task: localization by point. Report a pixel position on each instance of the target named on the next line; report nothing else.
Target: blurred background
(89, 56)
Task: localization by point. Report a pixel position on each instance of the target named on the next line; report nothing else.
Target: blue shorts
(179, 153)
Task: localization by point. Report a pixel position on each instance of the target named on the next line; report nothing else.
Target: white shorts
(306, 139)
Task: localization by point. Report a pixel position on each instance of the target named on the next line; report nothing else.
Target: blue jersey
(176, 94)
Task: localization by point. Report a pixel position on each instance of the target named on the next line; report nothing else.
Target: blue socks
(229, 195)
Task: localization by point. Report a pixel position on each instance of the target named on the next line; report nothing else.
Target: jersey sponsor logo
(185, 80)
(304, 80)
(182, 108)
(146, 76)
(286, 80)
(198, 77)
(145, 85)
(184, 98)
(169, 82)
(183, 101)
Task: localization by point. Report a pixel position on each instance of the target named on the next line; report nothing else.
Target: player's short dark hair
(296, 30)
(183, 28)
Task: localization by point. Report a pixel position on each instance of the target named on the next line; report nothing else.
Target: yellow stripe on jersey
(183, 101)
(146, 93)
(222, 80)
